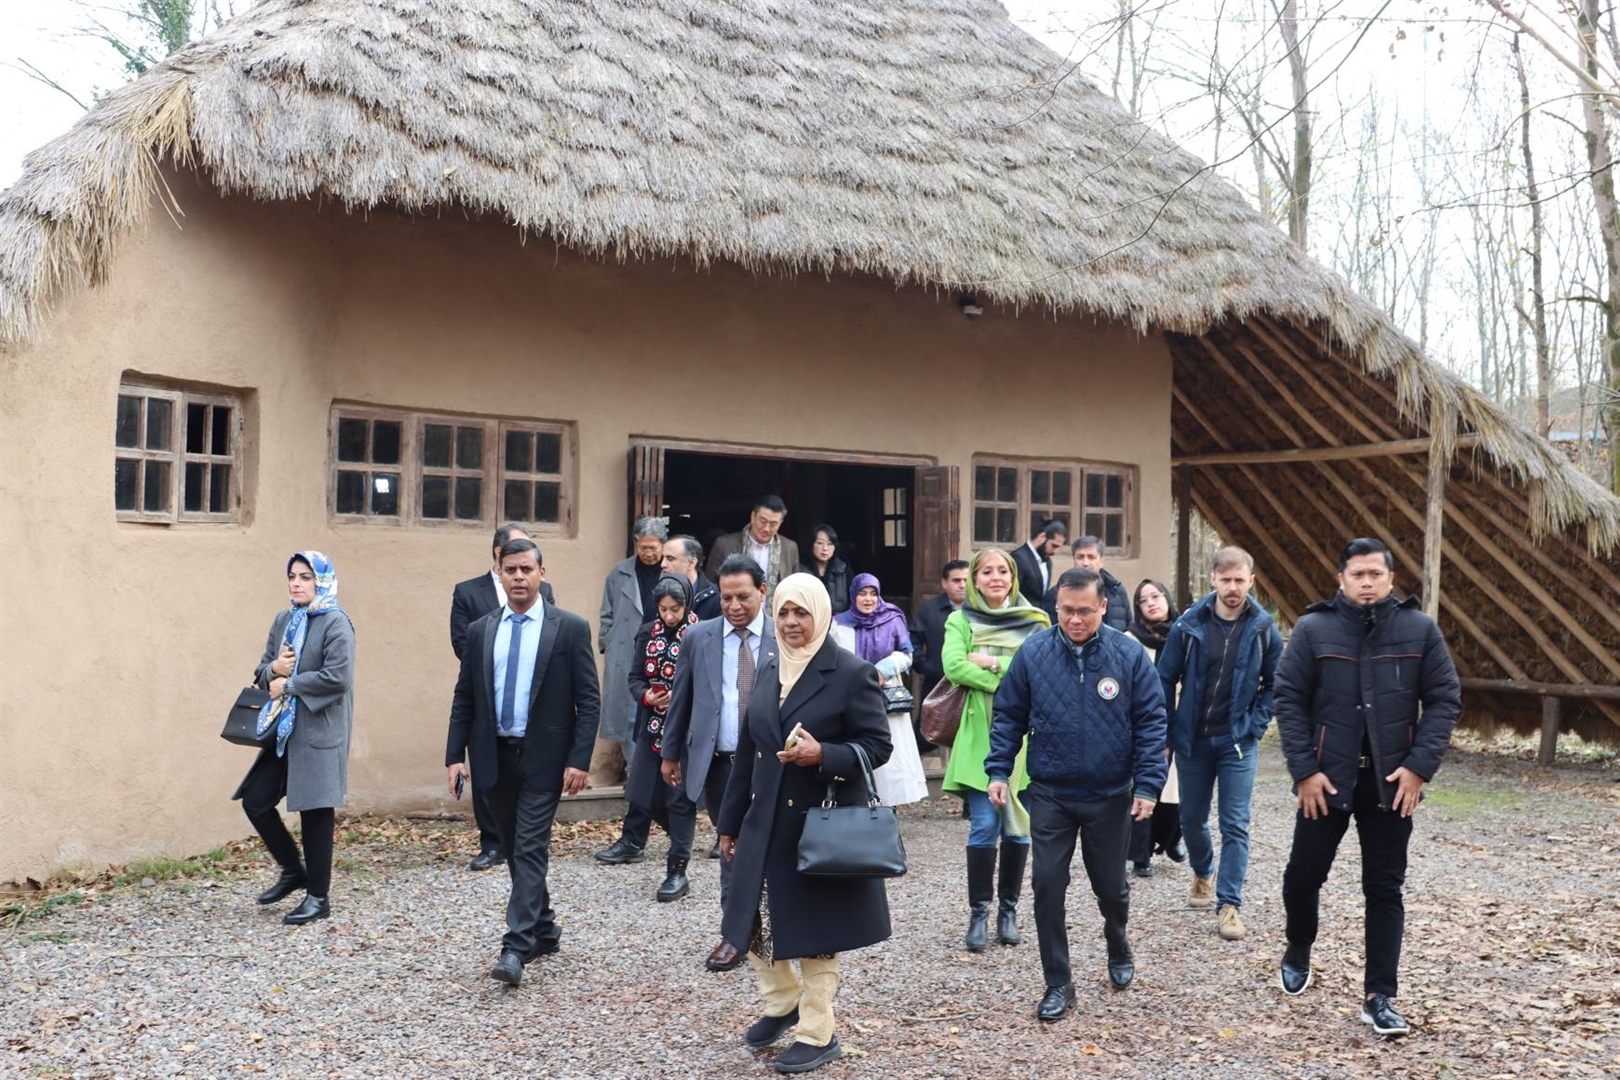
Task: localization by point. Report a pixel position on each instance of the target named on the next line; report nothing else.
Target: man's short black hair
(506, 532)
(773, 503)
(951, 567)
(1365, 545)
(1081, 543)
(1081, 577)
(742, 564)
(690, 545)
(519, 546)
(1053, 529)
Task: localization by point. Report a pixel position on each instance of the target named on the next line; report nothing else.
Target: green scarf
(1004, 627)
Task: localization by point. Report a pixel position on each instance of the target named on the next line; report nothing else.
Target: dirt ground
(1513, 918)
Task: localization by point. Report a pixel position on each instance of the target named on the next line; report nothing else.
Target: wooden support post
(1551, 713)
(1434, 511)
(1184, 541)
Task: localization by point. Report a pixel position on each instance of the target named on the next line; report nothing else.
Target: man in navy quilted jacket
(1090, 701)
(1367, 696)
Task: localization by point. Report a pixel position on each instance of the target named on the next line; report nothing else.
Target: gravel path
(1512, 916)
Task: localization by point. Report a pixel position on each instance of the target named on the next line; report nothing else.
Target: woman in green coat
(979, 639)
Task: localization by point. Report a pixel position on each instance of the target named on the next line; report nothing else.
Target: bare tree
(1538, 298)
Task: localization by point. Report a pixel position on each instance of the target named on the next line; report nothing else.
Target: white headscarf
(806, 591)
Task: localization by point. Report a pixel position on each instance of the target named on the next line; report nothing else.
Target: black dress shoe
(1380, 1012)
(714, 852)
(290, 881)
(1176, 852)
(675, 884)
(1144, 869)
(486, 860)
(313, 907)
(508, 969)
(619, 852)
(1121, 968)
(767, 1029)
(1057, 1003)
(802, 1057)
(1296, 970)
(724, 957)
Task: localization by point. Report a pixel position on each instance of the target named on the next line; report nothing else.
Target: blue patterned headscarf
(283, 712)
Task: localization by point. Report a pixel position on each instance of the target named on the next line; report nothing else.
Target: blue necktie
(513, 658)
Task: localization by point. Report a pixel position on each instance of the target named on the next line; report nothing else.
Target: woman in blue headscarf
(308, 670)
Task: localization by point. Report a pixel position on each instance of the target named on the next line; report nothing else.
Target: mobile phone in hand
(795, 737)
(461, 784)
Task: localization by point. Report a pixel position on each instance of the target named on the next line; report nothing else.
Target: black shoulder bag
(852, 841)
(242, 722)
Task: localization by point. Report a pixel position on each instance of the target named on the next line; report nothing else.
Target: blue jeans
(1217, 760)
(985, 821)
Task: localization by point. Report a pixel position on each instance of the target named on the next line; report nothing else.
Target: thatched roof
(927, 141)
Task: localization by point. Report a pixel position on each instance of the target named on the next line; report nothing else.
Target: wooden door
(936, 515)
(646, 483)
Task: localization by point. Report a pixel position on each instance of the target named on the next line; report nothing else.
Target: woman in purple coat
(882, 636)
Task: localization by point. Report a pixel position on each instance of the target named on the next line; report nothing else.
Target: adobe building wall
(126, 643)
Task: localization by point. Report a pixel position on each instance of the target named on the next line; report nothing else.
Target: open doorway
(895, 518)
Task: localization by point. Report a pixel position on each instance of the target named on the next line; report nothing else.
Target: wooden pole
(1435, 512)
(1551, 713)
(1184, 542)
(1584, 691)
(1391, 448)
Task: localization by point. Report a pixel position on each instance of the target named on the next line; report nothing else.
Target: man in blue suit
(710, 697)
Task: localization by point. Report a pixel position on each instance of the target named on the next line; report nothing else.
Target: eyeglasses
(1066, 613)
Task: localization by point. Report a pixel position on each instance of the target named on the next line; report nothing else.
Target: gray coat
(318, 748)
(617, 624)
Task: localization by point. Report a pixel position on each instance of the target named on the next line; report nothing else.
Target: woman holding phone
(814, 711)
(308, 670)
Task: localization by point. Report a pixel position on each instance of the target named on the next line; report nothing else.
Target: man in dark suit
(524, 713)
(683, 557)
(1034, 560)
(928, 625)
(473, 599)
(1089, 554)
(719, 659)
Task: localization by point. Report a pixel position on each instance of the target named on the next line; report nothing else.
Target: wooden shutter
(646, 483)
(936, 513)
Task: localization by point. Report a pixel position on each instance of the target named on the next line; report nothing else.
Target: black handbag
(852, 841)
(242, 722)
(898, 699)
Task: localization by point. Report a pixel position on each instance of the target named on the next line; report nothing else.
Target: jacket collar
(812, 680)
(1205, 609)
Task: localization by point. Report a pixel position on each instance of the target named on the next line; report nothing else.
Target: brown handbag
(941, 714)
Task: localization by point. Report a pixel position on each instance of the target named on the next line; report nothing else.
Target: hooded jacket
(1181, 660)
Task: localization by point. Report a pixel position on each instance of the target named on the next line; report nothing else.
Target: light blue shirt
(528, 649)
(726, 741)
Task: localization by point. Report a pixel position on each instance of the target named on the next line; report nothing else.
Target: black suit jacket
(565, 703)
(1029, 573)
(475, 598)
(928, 637)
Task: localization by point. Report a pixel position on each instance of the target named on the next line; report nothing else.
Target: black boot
(981, 871)
(675, 884)
(313, 907)
(1009, 882)
(291, 880)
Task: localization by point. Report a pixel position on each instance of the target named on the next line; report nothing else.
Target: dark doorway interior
(706, 495)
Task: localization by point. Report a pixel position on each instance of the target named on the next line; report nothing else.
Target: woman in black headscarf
(1152, 614)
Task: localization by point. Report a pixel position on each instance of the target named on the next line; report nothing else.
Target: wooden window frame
(1075, 514)
(492, 472)
(897, 514)
(177, 457)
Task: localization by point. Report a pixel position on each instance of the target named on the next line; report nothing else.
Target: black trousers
(714, 792)
(1384, 838)
(1103, 829)
(524, 815)
(1158, 833)
(489, 837)
(262, 791)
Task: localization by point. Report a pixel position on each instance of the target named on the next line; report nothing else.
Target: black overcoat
(839, 702)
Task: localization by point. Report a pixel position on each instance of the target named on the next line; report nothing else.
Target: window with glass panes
(896, 517)
(427, 469)
(177, 455)
(1012, 499)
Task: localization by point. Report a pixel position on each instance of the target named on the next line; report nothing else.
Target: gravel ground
(1512, 915)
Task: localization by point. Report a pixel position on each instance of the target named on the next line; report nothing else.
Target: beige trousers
(784, 990)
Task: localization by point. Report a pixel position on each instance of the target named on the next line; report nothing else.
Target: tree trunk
(1299, 206)
(1600, 158)
(1538, 303)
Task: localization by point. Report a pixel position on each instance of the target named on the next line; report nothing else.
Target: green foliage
(167, 25)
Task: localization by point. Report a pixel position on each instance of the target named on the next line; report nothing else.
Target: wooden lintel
(1597, 691)
(1393, 448)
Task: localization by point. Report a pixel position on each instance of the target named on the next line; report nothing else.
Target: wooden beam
(1184, 542)
(1434, 513)
(1392, 448)
(1584, 691)
(1552, 709)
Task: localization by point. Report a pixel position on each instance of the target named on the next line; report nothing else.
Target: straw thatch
(927, 141)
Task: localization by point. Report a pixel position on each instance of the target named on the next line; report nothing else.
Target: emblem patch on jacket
(1108, 689)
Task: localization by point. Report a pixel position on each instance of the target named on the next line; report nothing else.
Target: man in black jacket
(1034, 560)
(683, 557)
(928, 626)
(1366, 699)
(1088, 553)
(472, 600)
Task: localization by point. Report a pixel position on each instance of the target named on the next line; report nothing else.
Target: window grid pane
(1010, 497)
(127, 428)
(159, 416)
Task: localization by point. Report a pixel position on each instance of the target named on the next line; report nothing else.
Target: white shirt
(1040, 561)
(500, 590)
(730, 718)
(760, 553)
